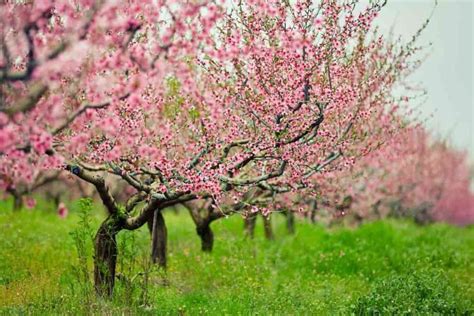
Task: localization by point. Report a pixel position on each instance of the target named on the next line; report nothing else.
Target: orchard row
(227, 107)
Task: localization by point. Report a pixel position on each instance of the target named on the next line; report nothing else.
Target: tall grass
(46, 268)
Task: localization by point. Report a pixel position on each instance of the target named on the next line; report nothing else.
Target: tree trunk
(249, 225)
(57, 200)
(267, 226)
(202, 219)
(159, 238)
(290, 222)
(207, 236)
(105, 258)
(17, 202)
(313, 209)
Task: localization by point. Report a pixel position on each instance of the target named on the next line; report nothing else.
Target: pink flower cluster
(181, 97)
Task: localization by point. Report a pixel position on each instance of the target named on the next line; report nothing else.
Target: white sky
(448, 71)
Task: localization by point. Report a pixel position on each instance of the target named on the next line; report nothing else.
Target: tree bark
(57, 200)
(290, 222)
(314, 207)
(249, 225)
(202, 218)
(207, 236)
(159, 238)
(17, 198)
(105, 258)
(17, 202)
(267, 226)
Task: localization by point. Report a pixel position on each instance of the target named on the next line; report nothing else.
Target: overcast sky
(447, 73)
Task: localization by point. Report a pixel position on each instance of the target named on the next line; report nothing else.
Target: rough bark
(105, 258)
(159, 238)
(202, 217)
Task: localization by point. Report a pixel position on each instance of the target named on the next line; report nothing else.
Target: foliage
(420, 293)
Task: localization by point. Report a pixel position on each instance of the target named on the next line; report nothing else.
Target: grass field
(386, 267)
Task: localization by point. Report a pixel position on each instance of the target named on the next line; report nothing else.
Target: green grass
(386, 267)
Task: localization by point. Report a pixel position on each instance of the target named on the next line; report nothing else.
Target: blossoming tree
(427, 180)
(187, 100)
(413, 176)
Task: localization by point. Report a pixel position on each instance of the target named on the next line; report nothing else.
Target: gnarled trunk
(202, 218)
(105, 258)
(207, 236)
(159, 238)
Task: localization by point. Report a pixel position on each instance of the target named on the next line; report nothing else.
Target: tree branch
(99, 183)
(139, 220)
(82, 109)
(27, 103)
(240, 182)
